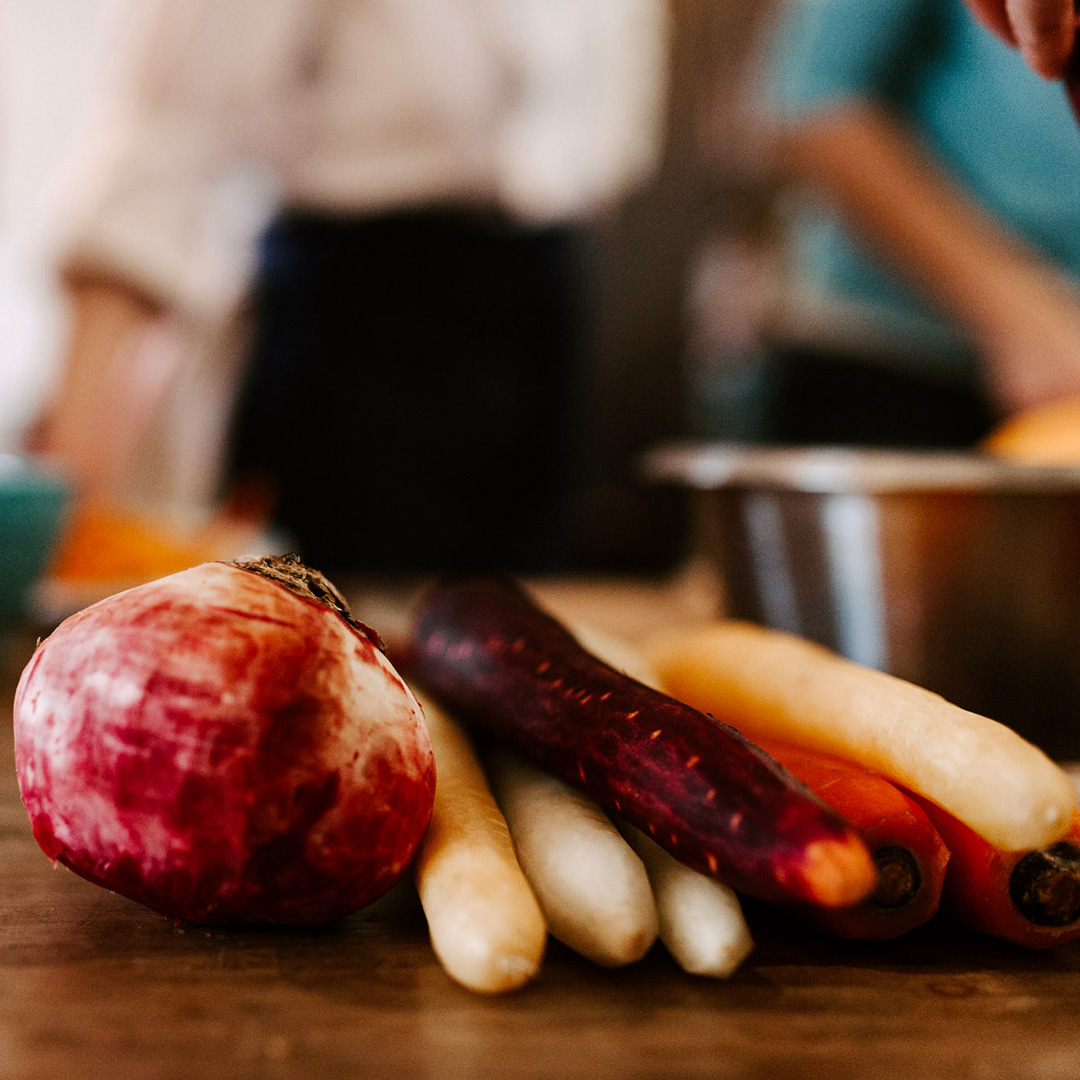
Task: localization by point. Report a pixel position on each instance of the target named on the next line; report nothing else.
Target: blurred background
(417, 285)
(666, 254)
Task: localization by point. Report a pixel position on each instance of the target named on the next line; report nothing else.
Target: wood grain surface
(92, 985)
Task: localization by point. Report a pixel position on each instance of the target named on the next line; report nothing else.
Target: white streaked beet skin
(222, 750)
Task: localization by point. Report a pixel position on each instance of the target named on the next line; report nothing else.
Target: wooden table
(92, 985)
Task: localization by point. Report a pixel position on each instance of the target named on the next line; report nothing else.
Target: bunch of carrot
(916, 775)
(513, 854)
(862, 802)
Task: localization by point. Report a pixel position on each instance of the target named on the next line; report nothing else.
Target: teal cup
(32, 506)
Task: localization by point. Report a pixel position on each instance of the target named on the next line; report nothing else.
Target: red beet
(706, 794)
(221, 749)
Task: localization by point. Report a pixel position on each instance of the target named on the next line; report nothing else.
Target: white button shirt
(218, 111)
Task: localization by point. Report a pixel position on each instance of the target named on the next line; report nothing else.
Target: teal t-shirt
(1005, 134)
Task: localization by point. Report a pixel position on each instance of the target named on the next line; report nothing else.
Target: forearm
(99, 408)
(914, 217)
(1021, 310)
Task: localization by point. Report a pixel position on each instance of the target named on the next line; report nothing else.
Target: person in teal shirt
(933, 236)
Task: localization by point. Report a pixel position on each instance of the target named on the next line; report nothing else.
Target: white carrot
(774, 685)
(486, 926)
(701, 921)
(592, 888)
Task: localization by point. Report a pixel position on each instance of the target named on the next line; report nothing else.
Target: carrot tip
(839, 873)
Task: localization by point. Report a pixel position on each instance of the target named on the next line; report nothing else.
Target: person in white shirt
(420, 290)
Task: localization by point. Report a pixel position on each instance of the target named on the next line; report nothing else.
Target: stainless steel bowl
(956, 571)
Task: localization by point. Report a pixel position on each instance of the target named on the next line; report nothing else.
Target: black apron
(413, 391)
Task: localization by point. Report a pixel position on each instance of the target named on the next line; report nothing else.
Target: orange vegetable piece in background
(1027, 897)
(1046, 435)
(910, 855)
(106, 545)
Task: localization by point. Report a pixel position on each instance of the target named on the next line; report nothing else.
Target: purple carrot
(698, 787)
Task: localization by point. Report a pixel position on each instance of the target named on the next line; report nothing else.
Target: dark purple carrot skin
(697, 786)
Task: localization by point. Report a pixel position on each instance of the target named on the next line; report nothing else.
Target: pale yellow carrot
(780, 687)
(701, 921)
(486, 926)
(592, 888)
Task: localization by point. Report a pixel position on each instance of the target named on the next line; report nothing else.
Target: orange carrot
(909, 854)
(1027, 897)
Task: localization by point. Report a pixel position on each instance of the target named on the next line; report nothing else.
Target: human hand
(1043, 30)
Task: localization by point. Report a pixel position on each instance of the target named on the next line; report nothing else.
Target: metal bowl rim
(710, 466)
